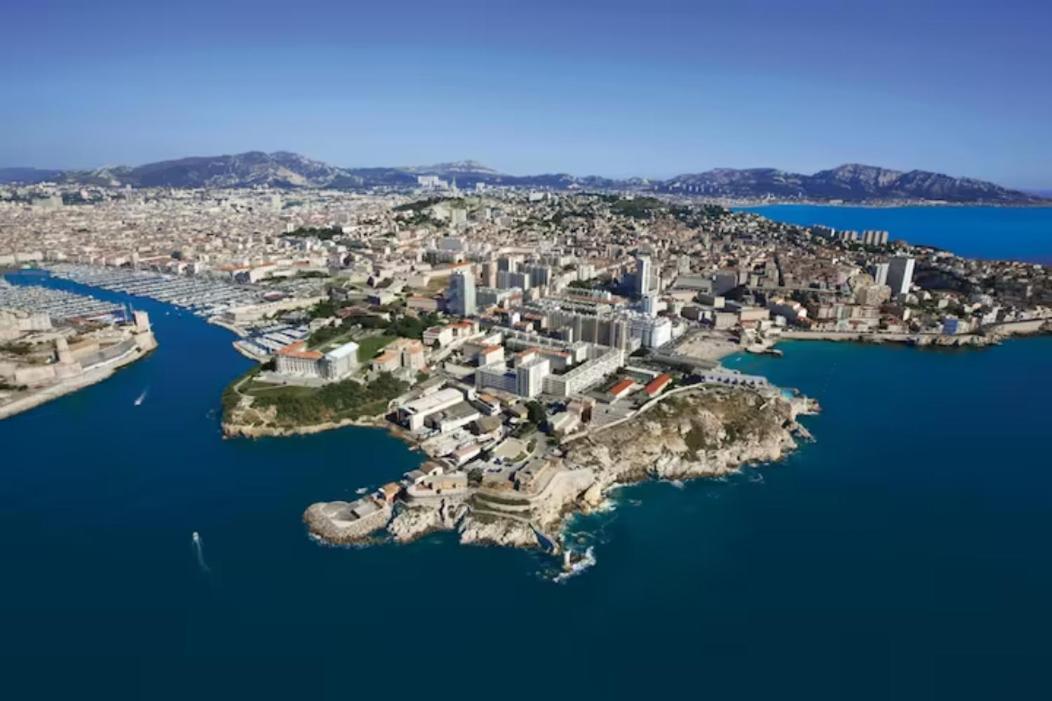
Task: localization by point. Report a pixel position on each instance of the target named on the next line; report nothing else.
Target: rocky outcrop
(705, 432)
(412, 522)
(565, 489)
(962, 341)
(484, 529)
(238, 429)
(699, 434)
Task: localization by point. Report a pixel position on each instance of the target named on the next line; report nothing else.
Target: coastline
(886, 204)
(587, 472)
(738, 427)
(991, 335)
(241, 419)
(91, 376)
(602, 460)
(236, 430)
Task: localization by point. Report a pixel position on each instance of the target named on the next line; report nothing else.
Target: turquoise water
(904, 555)
(1016, 233)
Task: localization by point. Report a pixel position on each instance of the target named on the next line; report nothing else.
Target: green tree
(536, 413)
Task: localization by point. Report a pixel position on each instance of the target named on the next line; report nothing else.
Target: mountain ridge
(850, 182)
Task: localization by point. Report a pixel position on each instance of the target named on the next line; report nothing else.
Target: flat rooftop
(432, 402)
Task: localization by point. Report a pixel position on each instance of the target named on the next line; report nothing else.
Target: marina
(201, 295)
(60, 305)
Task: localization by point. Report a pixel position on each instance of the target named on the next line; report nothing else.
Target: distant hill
(278, 169)
(28, 175)
(453, 169)
(848, 183)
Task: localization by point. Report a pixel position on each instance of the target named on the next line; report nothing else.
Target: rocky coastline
(704, 431)
(989, 336)
(234, 429)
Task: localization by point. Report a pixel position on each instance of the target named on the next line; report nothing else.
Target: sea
(903, 555)
(1003, 233)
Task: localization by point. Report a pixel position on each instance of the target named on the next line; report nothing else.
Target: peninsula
(523, 500)
(53, 343)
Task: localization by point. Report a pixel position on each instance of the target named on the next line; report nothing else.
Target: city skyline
(614, 90)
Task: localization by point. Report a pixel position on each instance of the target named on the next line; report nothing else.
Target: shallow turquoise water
(904, 555)
(1017, 233)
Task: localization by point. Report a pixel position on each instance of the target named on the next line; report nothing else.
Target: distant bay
(998, 233)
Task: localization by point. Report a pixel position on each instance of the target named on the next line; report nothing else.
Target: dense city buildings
(623, 271)
(492, 329)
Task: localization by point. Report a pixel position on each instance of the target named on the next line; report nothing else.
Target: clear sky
(615, 88)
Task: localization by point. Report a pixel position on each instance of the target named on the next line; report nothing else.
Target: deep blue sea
(1016, 233)
(904, 555)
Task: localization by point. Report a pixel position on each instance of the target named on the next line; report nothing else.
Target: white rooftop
(342, 351)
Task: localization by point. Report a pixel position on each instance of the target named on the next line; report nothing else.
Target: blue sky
(614, 88)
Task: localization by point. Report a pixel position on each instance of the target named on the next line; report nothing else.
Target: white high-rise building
(643, 272)
(651, 305)
(880, 273)
(529, 376)
(462, 293)
(900, 274)
(875, 238)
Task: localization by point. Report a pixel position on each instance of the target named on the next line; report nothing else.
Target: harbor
(59, 305)
(201, 295)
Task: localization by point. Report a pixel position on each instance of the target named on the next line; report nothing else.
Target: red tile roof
(657, 384)
(297, 350)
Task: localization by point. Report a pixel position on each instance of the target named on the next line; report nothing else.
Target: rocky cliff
(705, 433)
(700, 432)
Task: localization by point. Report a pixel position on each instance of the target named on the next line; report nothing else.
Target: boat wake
(199, 552)
(142, 397)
